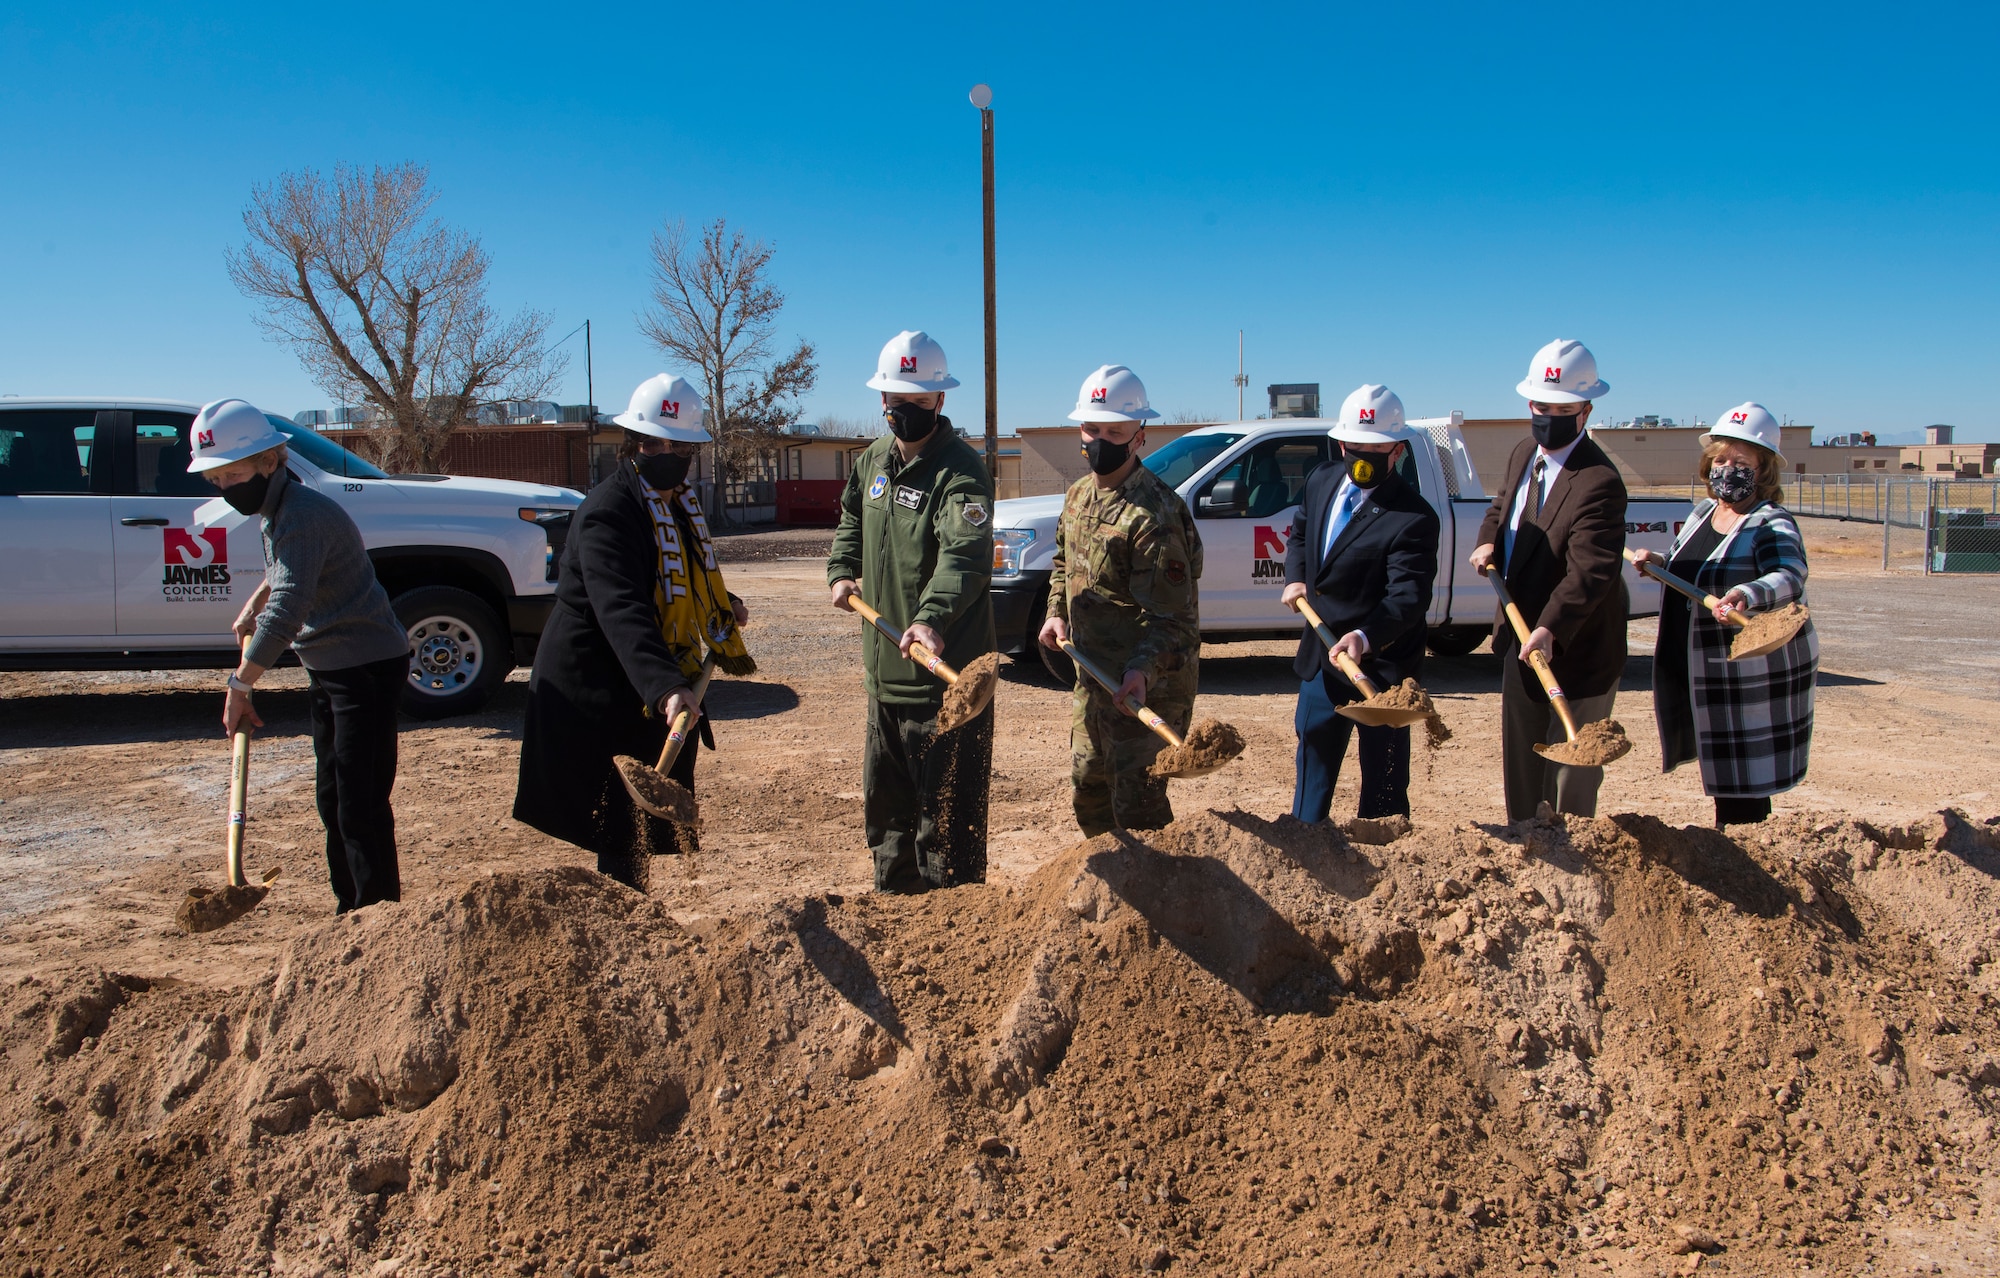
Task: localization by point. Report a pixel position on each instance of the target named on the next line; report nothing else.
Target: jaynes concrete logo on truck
(197, 564)
(1267, 553)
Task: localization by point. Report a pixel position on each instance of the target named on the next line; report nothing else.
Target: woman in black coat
(606, 680)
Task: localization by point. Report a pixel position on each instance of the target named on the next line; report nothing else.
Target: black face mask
(247, 498)
(1105, 456)
(663, 470)
(1365, 470)
(1733, 482)
(1554, 432)
(911, 422)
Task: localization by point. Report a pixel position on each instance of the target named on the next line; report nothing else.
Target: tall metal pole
(1241, 380)
(589, 378)
(982, 97)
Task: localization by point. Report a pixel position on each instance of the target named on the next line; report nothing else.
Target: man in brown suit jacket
(1556, 531)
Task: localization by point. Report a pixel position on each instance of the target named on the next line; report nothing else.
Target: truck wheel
(1457, 641)
(459, 651)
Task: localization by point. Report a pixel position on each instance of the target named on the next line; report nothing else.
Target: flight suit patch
(880, 486)
(909, 498)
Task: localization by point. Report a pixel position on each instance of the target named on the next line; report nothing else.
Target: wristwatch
(237, 685)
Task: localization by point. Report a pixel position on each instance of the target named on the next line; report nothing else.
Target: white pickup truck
(108, 567)
(1243, 481)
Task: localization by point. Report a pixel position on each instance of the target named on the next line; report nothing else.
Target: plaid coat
(1753, 718)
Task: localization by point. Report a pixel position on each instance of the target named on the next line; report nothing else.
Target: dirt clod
(662, 796)
(1767, 631)
(1596, 744)
(206, 909)
(965, 700)
(1208, 745)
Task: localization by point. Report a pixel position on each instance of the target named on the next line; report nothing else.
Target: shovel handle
(1137, 707)
(239, 788)
(1346, 664)
(918, 653)
(677, 732)
(1688, 588)
(1536, 660)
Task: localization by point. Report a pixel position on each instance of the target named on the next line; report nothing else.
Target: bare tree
(716, 312)
(386, 306)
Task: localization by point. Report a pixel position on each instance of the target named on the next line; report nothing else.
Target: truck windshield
(324, 453)
(1176, 461)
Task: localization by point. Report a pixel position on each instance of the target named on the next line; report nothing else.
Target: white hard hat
(1563, 372)
(1113, 393)
(1753, 424)
(228, 430)
(665, 407)
(912, 364)
(1371, 415)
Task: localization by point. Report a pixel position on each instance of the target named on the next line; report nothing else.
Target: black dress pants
(354, 752)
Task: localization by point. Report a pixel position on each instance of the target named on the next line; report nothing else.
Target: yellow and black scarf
(689, 597)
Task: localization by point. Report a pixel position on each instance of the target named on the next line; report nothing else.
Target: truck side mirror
(1224, 497)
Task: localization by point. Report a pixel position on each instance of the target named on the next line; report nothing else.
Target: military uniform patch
(909, 498)
(1176, 571)
(880, 486)
(975, 513)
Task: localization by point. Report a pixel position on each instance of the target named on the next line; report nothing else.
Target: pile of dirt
(1768, 630)
(1208, 745)
(1231, 1046)
(965, 700)
(1597, 743)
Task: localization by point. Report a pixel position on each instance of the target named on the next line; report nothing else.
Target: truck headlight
(1010, 546)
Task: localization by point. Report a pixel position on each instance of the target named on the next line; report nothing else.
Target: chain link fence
(1957, 520)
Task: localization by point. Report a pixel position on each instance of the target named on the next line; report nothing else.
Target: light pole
(982, 97)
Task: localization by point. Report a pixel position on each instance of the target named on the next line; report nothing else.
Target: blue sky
(1785, 203)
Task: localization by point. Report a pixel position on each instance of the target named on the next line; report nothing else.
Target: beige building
(1051, 458)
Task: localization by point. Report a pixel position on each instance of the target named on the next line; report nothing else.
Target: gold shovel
(1362, 712)
(1606, 741)
(204, 909)
(1775, 627)
(651, 788)
(1208, 747)
(968, 691)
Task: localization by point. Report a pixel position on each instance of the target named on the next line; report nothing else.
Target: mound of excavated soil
(1768, 630)
(1233, 1046)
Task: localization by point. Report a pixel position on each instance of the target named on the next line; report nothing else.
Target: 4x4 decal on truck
(197, 564)
(1267, 553)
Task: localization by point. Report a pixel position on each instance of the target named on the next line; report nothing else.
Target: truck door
(55, 528)
(1421, 470)
(1244, 514)
(176, 582)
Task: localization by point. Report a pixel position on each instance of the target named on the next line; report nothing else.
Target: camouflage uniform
(1127, 560)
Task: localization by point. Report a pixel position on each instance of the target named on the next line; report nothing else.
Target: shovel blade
(1382, 716)
(660, 796)
(206, 909)
(967, 699)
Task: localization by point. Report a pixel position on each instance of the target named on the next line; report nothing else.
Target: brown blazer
(1567, 570)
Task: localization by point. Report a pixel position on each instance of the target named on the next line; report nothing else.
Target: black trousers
(354, 753)
(924, 797)
(1741, 811)
(1323, 735)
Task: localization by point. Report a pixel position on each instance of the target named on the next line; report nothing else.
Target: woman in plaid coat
(1749, 722)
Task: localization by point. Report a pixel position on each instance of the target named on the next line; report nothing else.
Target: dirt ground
(112, 789)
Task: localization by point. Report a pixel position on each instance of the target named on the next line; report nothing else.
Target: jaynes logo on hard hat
(197, 564)
(204, 439)
(1738, 418)
(1552, 375)
(906, 364)
(1366, 415)
(670, 409)
(1097, 394)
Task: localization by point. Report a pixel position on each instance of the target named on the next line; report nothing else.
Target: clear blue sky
(1795, 204)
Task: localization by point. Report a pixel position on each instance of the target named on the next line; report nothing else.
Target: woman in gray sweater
(320, 599)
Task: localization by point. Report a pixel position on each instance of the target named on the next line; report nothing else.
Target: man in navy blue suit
(1363, 552)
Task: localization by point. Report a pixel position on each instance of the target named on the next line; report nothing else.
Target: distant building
(1294, 399)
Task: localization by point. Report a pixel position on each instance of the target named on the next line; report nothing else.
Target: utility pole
(982, 97)
(1241, 380)
(589, 377)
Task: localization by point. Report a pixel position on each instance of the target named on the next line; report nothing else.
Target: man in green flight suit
(916, 530)
(1123, 590)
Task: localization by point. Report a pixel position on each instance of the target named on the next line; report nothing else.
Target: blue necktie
(1344, 507)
